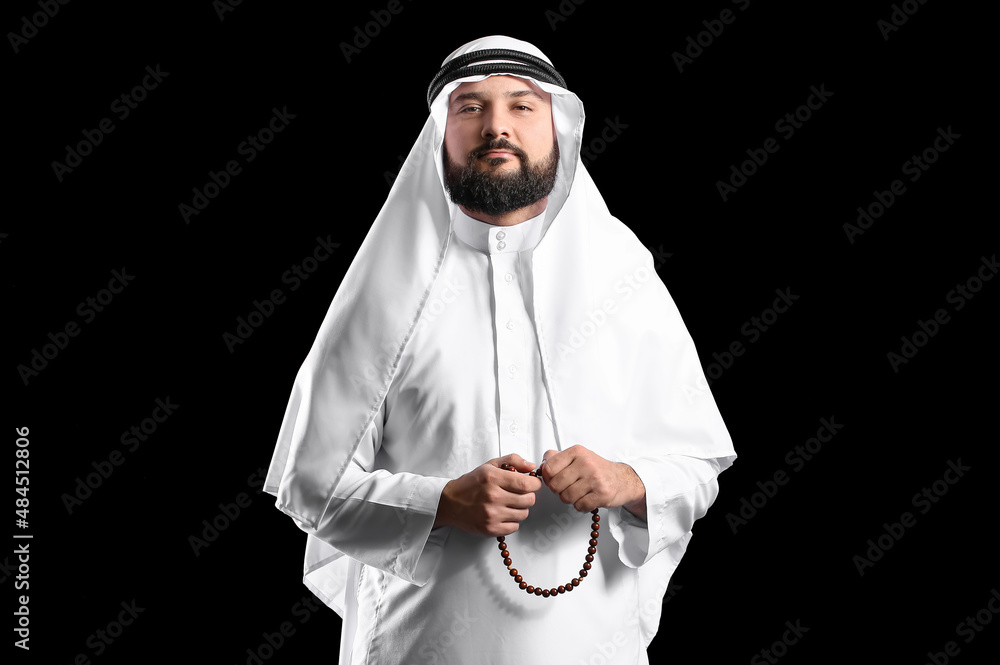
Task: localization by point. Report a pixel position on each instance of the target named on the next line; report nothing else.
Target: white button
(512, 369)
(501, 244)
(508, 278)
(510, 325)
(513, 427)
(501, 235)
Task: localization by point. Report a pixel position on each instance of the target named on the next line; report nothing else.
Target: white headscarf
(615, 353)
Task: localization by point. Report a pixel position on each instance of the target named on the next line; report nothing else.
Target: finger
(560, 478)
(520, 463)
(553, 462)
(509, 521)
(507, 528)
(574, 493)
(519, 483)
(519, 501)
(586, 503)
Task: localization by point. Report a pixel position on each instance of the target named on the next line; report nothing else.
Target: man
(497, 315)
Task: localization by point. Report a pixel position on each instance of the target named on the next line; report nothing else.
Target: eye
(469, 109)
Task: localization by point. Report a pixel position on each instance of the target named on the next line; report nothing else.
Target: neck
(511, 218)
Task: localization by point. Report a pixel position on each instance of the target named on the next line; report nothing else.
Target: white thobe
(473, 392)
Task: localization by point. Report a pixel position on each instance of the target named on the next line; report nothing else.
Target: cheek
(540, 144)
(459, 144)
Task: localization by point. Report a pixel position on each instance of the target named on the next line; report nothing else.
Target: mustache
(498, 144)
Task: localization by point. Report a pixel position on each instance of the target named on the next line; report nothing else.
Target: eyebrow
(480, 96)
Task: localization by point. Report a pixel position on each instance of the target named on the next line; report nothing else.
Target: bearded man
(500, 380)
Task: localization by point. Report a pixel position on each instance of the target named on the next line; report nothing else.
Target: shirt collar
(492, 239)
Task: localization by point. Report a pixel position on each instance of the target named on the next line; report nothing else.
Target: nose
(496, 123)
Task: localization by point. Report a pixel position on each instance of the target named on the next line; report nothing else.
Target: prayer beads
(554, 591)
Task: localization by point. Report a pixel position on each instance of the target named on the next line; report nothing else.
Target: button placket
(510, 348)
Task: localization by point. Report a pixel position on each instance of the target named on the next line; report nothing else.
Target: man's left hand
(587, 480)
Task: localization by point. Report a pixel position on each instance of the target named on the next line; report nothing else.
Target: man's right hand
(489, 501)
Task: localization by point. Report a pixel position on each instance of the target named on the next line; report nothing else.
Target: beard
(496, 192)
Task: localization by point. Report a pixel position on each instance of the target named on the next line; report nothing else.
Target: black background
(325, 176)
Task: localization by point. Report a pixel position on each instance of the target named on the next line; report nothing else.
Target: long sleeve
(385, 519)
(679, 490)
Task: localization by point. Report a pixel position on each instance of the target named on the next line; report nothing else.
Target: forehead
(497, 86)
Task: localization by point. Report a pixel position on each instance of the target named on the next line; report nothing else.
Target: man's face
(500, 152)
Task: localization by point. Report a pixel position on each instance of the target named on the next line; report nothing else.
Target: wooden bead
(530, 589)
(593, 542)
(538, 591)
(513, 573)
(518, 578)
(595, 526)
(591, 550)
(507, 561)
(594, 534)
(500, 539)
(546, 593)
(597, 518)
(569, 586)
(502, 545)
(504, 554)
(561, 589)
(590, 557)
(575, 581)
(532, 474)
(553, 591)
(523, 585)
(587, 566)
(583, 573)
